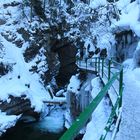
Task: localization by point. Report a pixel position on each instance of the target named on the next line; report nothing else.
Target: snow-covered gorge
(27, 64)
(101, 29)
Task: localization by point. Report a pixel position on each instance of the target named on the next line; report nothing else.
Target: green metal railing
(100, 65)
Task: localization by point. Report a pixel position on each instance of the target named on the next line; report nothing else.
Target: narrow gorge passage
(40, 43)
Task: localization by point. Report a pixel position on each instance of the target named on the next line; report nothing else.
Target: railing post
(109, 69)
(86, 63)
(96, 64)
(121, 86)
(102, 67)
(99, 65)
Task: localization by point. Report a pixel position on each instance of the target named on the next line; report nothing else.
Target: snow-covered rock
(7, 121)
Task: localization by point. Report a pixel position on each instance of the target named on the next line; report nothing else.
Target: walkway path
(130, 123)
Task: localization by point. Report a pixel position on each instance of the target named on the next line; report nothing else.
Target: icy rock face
(125, 45)
(79, 93)
(127, 29)
(137, 56)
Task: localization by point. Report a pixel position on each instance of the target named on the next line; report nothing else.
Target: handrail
(85, 115)
(116, 62)
(110, 120)
(112, 85)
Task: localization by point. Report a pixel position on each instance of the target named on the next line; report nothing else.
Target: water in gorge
(49, 128)
(28, 132)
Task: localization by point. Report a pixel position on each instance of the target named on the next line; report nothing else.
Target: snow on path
(130, 122)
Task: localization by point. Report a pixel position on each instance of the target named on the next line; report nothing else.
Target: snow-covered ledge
(7, 121)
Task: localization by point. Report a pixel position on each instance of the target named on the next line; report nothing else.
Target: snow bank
(97, 3)
(74, 84)
(130, 121)
(7, 121)
(100, 116)
(20, 80)
(10, 84)
(8, 1)
(128, 64)
(130, 14)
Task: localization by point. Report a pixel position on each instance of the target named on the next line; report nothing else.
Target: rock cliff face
(67, 57)
(17, 106)
(125, 45)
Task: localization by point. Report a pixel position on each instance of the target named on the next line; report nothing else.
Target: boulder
(17, 106)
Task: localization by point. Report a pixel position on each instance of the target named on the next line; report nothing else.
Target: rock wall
(17, 106)
(79, 95)
(125, 45)
(67, 56)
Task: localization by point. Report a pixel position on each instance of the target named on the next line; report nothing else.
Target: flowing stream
(49, 128)
(28, 132)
